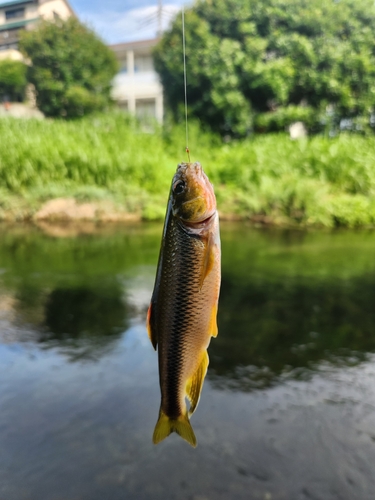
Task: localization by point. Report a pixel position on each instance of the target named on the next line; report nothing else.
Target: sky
(125, 20)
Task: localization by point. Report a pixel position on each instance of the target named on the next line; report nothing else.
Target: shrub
(12, 79)
(71, 69)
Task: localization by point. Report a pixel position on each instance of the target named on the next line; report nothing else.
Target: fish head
(193, 197)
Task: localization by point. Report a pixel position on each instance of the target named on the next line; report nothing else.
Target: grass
(315, 181)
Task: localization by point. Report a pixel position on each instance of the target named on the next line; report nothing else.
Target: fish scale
(180, 320)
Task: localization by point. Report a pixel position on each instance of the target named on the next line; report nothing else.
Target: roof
(10, 3)
(17, 24)
(138, 45)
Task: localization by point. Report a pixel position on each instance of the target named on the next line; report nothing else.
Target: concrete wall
(48, 10)
(12, 54)
(31, 12)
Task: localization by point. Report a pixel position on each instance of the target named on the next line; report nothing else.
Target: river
(288, 406)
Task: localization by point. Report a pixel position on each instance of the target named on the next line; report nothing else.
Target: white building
(17, 15)
(137, 88)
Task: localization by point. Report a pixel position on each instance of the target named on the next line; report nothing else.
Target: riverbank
(107, 168)
(63, 210)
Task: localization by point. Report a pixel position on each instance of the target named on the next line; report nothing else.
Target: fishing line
(185, 84)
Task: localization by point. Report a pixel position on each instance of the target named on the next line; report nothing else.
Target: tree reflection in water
(290, 300)
(271, 329)
(85, 322)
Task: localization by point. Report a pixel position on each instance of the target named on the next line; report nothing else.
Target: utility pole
(160, 20)
(156, 16)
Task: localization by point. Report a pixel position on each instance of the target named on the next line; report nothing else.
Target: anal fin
(213, 322)
(195, 383)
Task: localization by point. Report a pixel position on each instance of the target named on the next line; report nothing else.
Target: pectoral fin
(151, 328)
(209, 258)
(195, 384)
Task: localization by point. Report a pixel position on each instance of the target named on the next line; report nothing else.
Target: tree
(71, 68)
(12, 79)
(267, 63)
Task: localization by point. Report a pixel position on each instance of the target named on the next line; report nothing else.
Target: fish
(182, 315)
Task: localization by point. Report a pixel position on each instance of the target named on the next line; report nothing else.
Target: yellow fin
(151, 334)
(209, 258)
(213, 322)
(181, 426)
(195, 384)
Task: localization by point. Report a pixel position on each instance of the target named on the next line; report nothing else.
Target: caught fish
(182, 315)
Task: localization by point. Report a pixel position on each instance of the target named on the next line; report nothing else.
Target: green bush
(71, 68)
(79, 101)
(12, 79)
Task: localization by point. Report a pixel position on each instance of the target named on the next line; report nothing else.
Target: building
(137, 88)
(17, 15)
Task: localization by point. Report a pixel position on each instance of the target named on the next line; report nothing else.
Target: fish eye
(179, 187)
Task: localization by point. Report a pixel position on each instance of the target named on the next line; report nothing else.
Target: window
(56, 15)
(15, 13)
(143, 64)
(145, 108)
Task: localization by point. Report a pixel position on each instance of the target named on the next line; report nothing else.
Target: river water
(288, 406)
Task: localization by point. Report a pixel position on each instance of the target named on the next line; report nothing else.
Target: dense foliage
(12, 79)
(270, 178)
(71, 68)
(248, 60)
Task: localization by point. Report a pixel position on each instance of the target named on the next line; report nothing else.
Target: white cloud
(134, 24)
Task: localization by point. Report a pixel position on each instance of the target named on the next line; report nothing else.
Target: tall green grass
(311, 181)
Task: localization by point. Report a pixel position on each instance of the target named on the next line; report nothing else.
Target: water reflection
(70, 292)
(272, 329)
(87, 320)
(83, 313)
(289, 300)
(296, 320)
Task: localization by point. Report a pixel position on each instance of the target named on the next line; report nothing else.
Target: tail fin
(166, 426)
